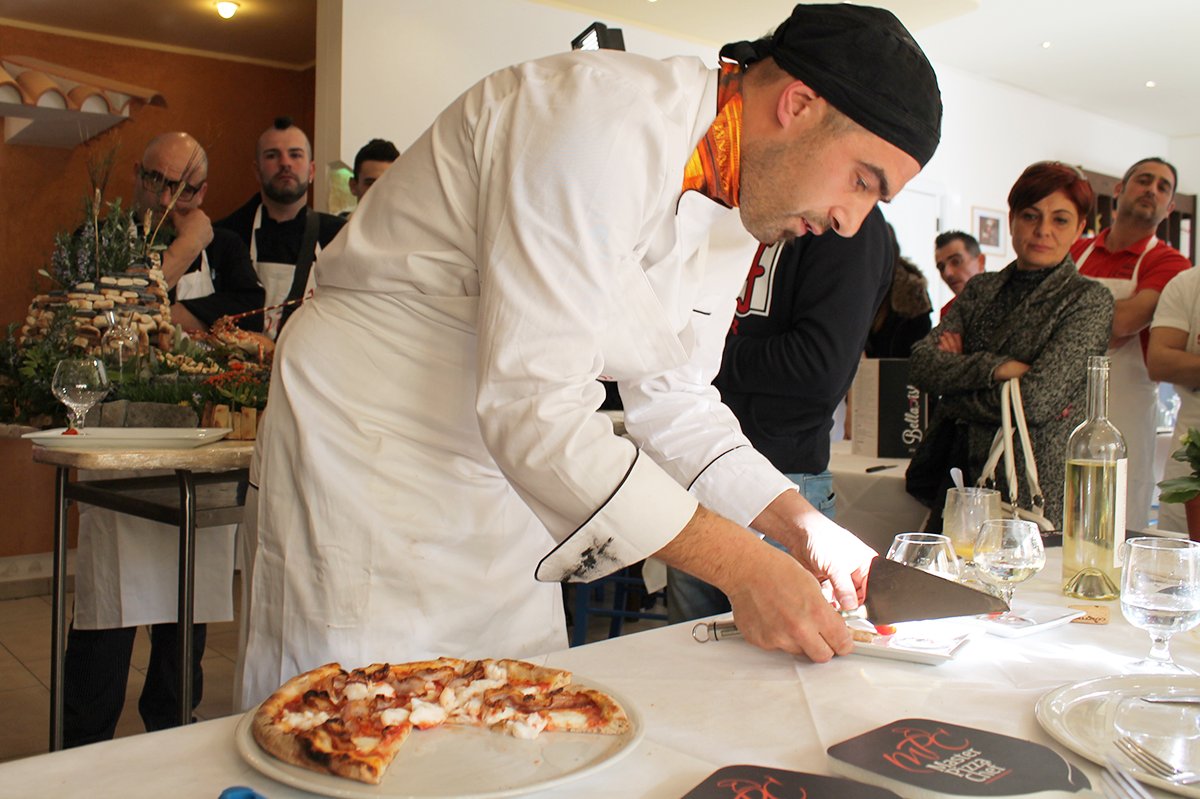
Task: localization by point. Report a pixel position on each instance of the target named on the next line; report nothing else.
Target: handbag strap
(1002, 445)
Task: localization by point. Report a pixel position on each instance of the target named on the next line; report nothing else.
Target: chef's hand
(193, 232)
(193, 226)
(830, 552)
(780, 605)
(776, 602)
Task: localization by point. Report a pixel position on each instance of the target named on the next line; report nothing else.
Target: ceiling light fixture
(1045, 45)
(227, 9)
(1150, 84)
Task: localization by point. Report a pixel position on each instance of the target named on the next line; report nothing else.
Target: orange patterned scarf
(715, 167)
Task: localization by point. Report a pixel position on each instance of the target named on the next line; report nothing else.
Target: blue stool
(590, 601)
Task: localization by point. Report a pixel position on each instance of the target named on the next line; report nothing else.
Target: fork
(1117, 783)
(1154, 764)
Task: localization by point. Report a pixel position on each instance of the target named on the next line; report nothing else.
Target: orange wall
(224, 104)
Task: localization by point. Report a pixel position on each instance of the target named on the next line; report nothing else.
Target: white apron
(127, 568)
(1133, 405)
(276, 279)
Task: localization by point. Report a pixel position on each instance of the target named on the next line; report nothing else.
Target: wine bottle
(1094, 504)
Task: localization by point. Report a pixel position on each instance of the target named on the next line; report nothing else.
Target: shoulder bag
(1010, 406)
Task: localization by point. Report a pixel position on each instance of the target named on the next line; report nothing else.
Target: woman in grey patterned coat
(1037, 319)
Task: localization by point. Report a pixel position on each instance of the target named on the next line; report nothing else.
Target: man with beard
(281, 232)
(122, 559)
(1130, 260)
(434, 464)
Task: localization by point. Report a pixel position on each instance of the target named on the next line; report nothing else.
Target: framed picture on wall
(988, 227)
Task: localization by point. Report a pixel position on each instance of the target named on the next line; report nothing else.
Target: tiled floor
(25, 671)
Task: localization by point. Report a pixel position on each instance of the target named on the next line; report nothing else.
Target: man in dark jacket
(790, 357)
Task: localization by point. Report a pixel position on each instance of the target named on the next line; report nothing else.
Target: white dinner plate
(1087, 718)
(465, 762)
(916, 642)
(129, 437)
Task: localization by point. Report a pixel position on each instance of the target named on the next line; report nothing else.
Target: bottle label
(1119, 514)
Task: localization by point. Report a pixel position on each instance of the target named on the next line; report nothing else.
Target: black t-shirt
(797, 338)
(279, 242)
(235, 284)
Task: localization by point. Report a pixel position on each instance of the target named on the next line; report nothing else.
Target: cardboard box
(889, 414)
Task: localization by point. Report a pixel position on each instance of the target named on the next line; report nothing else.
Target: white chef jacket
(127, 568)
(432, 435)
(1179, 308)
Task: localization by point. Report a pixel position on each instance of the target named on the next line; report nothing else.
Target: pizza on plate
(353, 723)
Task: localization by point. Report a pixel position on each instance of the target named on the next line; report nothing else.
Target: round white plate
(465, 762)
(129, 438)
(1088, 717)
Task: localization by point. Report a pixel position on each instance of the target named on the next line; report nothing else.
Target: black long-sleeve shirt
(798, 336)
(235, 284)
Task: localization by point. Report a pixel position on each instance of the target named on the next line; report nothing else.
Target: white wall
(991, 132)
(403, 61)
(1185, 155)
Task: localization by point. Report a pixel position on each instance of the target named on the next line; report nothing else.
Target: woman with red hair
(1037, 319)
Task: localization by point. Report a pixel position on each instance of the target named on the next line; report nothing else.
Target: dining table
(199, 488)
(871, 498)
(701, 706)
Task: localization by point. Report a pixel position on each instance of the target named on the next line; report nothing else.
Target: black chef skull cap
(865, 63)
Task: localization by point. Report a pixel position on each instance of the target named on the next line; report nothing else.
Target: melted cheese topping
(304, 720)
(494, 671)
(426, 714)
(365, 743)
(393, 716)
(528, 729)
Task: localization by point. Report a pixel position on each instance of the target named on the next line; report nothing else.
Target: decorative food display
(353, 723)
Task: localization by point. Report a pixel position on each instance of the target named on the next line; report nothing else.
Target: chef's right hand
(780, 605)
(192, 226)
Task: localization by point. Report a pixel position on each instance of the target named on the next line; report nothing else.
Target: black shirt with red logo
(797, 337)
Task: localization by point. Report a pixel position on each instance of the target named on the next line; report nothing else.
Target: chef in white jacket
(433, 444)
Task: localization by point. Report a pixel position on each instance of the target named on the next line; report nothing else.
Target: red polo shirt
(1158, 267)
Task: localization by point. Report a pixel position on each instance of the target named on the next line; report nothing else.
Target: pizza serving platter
(465, 762)
(129, 438)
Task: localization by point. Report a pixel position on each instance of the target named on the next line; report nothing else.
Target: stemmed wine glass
(1160, 592)
(928, 552)
(1011, 551)
(79, 383)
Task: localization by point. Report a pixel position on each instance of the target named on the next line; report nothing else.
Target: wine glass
(1160, 592)
(1011, 551)
(79, 383)
(928, 552)
(965, 512)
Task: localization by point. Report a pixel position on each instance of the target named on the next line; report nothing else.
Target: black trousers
(97, 671)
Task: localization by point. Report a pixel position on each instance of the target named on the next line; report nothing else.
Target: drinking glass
(966, 511)
(79, 383)
(928, 552)
(119, 346)
(1011, 551)
(1160, 592)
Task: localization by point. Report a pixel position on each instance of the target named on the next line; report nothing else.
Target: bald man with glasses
(121, 559)
(208, 271)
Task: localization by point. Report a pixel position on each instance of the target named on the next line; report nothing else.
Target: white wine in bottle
(1094, 502)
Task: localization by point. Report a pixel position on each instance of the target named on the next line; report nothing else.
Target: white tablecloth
(873, 505)
(705, 705)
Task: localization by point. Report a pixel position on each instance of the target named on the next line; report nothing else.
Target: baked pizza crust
(562, 706)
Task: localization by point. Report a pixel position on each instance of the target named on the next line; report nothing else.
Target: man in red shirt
(1135, 265)
(958, 260)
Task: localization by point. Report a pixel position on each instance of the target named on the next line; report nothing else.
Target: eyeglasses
(1071, 167)
(157, 181)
